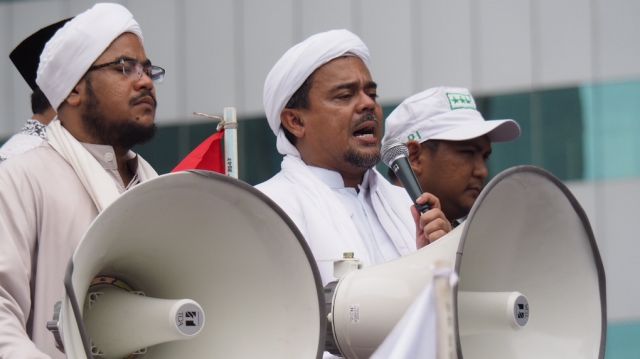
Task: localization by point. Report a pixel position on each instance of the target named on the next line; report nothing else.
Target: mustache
(144, 93)
(368, 116)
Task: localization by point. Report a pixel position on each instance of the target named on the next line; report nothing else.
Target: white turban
(298, 63)
(72, 50)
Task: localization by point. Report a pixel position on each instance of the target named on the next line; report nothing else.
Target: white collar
(334, 179)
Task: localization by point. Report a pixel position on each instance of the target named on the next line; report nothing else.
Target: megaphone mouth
(113, 303)
(107, 280)
(96, 289)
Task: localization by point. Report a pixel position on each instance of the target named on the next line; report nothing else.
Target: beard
(362, 160)
(122, 133)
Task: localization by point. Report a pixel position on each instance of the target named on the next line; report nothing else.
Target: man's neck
(44, 118)
(352, 179)
(123, 165)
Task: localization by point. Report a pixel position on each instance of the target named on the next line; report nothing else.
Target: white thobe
(30, 136)
(44, 212)
(358, 202)
(375, 222)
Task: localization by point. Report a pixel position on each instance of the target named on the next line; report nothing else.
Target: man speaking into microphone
(449, 143)
(321, 103)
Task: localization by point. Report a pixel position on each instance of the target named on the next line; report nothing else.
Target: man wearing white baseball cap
(96, 75)
(449, 144)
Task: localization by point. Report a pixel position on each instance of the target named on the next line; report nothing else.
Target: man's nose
(366, 102)
(480, 168)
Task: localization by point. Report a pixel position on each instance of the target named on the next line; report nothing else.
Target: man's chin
(363, 159)
(145, 119)
(136, 134)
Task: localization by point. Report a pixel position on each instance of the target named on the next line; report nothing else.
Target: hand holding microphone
(429, 226)
(395, 155)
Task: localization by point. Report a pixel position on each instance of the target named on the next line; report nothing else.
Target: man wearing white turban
(95, 73)
(320, 102)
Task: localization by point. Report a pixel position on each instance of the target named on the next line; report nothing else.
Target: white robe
(44, 212)
(327, 224)
(30, 136)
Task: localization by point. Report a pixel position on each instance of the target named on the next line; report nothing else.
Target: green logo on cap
(460, 100)
(415, 136)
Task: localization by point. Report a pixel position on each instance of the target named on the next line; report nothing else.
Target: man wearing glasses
(95, 73)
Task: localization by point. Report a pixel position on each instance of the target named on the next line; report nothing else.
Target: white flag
(426, 330)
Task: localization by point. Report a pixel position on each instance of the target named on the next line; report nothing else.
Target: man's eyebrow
(479, 148)
(127, 58)
(469, 144)
(354, 86)
(371, 85)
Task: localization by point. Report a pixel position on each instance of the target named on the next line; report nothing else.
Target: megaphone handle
(68, 286)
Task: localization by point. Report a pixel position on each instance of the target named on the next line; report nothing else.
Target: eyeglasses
(134, 70)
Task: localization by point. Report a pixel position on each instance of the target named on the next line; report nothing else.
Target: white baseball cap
(444, 113)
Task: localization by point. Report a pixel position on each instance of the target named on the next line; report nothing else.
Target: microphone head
(392, 150)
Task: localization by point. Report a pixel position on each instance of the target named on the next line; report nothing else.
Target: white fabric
(17, 144)
(416, 334)
(44, 212)
(92, 175)
(298, 63)
(71, 51)
(444, 113)
(358, 202)
(30, 136)
(327, 226)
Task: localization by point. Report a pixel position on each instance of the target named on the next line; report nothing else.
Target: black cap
(26, 56)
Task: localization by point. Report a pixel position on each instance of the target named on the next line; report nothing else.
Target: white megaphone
(182, 246)
(531, 281)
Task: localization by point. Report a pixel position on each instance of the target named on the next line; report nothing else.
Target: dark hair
(299, 100)
(39, 102)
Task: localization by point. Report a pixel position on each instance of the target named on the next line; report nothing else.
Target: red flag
(209, 155)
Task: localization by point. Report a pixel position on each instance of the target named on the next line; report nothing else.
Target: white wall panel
(317, 16)
(163, 30)
(74, 7)
(7, 73)
(267, 34)
(612, 209)
(502, 45)
(443, 44)
(386, 29)
(209, 59)
(617, 32)
(561, 42)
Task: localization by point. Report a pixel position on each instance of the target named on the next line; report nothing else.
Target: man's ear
(415, 158)
(74, 98)
(293, 122)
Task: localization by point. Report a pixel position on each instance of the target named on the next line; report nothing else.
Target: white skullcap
(72, 50)
(444, 113)
(298, 63)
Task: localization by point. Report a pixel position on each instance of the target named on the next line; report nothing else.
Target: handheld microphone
(394, 155)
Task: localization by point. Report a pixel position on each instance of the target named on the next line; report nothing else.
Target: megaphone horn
(193, 243)
(531, 281)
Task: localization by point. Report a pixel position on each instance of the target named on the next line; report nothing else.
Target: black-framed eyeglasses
(133, 69)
